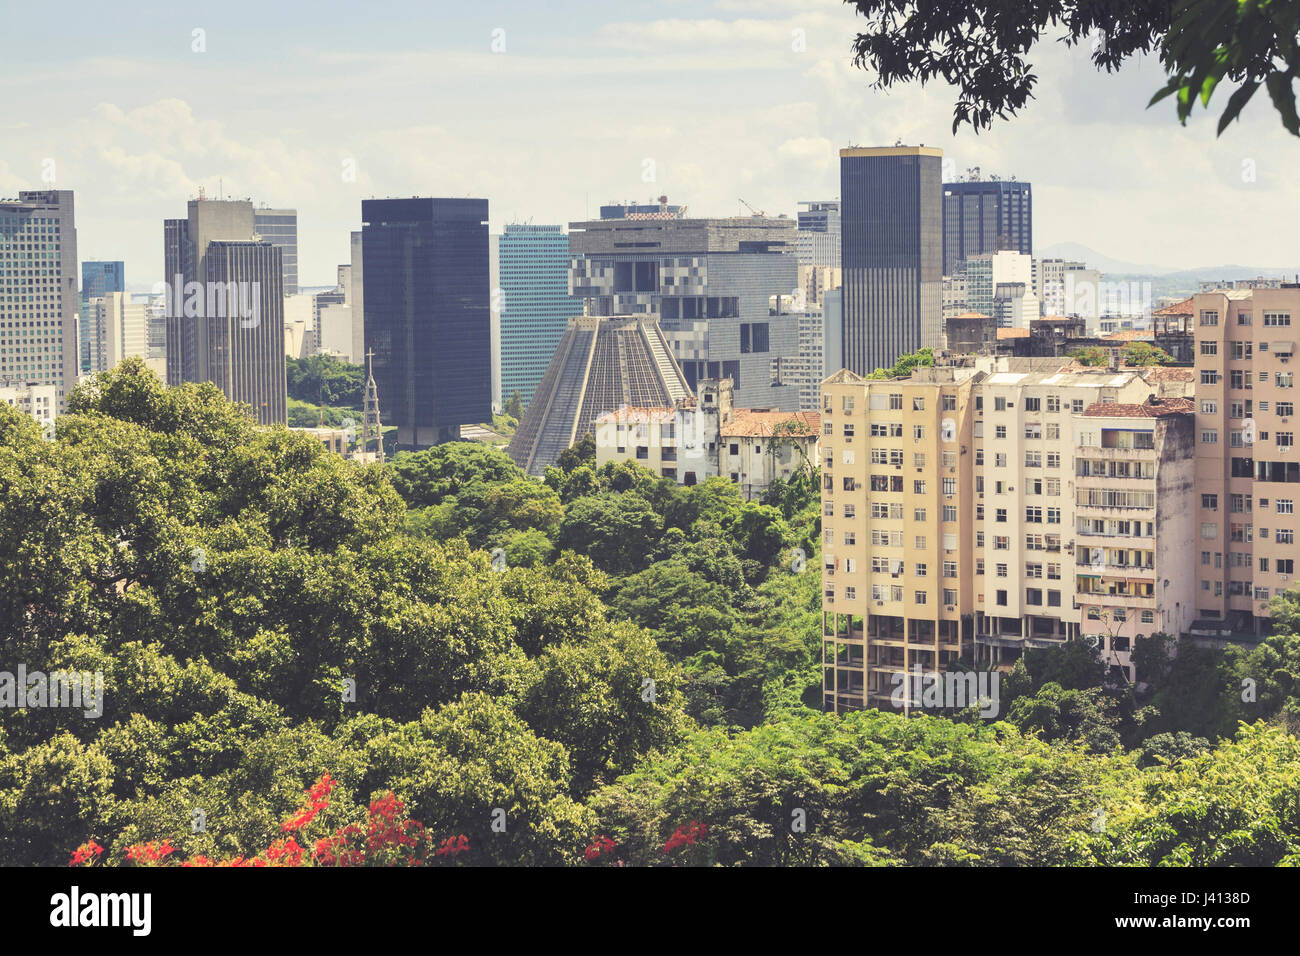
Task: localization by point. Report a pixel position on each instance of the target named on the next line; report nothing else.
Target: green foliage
(981, 48)
(514, 406)
(906, 363)
(325, 380)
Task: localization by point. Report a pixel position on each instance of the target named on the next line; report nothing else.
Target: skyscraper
(818, 243)
(97, 279)
(711, 282)
(426, 314)
(279, 227)
(892, 253)
(38, 279)
(983, 216)
(225, 306)
(535, 303)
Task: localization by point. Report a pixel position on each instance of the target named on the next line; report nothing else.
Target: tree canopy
(983, 49)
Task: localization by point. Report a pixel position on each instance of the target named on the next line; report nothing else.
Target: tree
(515, 406)
(982, 48)
(325, 380)
(1144, 353)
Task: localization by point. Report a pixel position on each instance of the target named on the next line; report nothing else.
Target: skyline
(714, 95)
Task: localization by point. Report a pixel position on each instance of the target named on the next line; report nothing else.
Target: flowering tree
(389, 838)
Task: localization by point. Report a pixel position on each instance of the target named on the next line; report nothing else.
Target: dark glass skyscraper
(427, 268)
(986, 216)
(892, 253)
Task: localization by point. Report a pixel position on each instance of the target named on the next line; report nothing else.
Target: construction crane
(755, 212)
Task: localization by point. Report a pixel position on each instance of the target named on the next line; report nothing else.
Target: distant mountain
(1075, 250)
(1119, 267)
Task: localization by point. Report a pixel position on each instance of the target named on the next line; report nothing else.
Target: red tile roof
(1130, 335)
(746, 423)
(1178, 308)
(1013, 333)
(971, 316)
(1160, 409)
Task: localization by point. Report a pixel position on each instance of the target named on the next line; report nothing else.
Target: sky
(549, 110)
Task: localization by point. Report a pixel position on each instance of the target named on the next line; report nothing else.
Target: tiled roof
(1129, 335)
(1160, 409)
(1013, 333)
(1164, 373)
(637, 415)
(970, 316)
(746, 423)
(1178, 308)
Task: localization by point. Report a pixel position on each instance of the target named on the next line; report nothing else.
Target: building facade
(701, 438)
(279, 227)
(225, 306)
(983, 216)
(427, 291)
(1247, 466)
(533, 269)
(892, 252)
(38, 292)
(710, 282)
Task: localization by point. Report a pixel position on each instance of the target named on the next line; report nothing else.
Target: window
(1285, 506)
(1001, 543)
(1210, 502)
(1053, 459)
(950, 569)
(920, 569)
(1032, 404)
(1277, 319)
(1211, 408)
(1284, 536)
(1209, 436)
(1286, 565)
(1148, 617)
(999, 404)
(949, 488)
(918, 403)
(919, 597)
(918, 460)
(918, 432)
(1034, 597)
(1053, 403)
(1209, 530)
(949, 596)
(918, 487)
(918, 514)
(1209, 348)
(950, 403)
(1209, 377)
(1033, 459)
(1209, 318)
(1001, 597)
(1034, 515)
(919, 542)
(1001, 515)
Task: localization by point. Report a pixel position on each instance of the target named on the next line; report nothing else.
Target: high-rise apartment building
(427, 291)
(711, 283)
(225, 306)
(279, 227)
(981, 509)
(533, 269)
(897, 527)
(892, 251)
(38, 291)
(1024, 500)
(983, 216)
(1135, 524)
(1247, 465)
